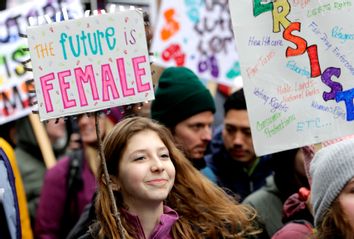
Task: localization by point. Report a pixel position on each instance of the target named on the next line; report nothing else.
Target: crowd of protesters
(171, 174)
(174, 176)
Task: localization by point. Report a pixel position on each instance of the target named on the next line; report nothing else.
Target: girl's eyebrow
(145, 150)
(163, 148)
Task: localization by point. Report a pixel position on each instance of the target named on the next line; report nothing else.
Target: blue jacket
(231, 174)
(8, 199)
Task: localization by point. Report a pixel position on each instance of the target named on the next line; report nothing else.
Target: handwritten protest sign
(298, 70)
(14, 85)
(197, 34)
(90, 64)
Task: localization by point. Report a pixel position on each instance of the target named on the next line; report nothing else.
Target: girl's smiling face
(146, 172)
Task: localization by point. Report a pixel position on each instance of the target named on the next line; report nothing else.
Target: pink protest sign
(90, 64)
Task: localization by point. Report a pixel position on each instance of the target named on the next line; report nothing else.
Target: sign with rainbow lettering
(197, 34)
(297, 66)
(90, 64)
(15, 87)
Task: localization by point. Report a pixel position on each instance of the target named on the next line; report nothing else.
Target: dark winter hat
(331, 169)
(179, 95)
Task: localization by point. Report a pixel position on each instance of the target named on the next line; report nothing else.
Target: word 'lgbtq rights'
(281, 10)
(90, 62)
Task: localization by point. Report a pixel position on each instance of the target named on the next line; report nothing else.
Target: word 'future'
(91, 42)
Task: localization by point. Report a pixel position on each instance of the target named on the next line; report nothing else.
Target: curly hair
(205, 210)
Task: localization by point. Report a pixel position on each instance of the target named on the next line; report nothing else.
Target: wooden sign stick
(116, 213)
(43, 140)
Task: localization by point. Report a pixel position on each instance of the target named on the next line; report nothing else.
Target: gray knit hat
(331, 169)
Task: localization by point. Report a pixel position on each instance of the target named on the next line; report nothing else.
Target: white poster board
(14, 79)
(90, 64)
(198, 35)
(298, 70)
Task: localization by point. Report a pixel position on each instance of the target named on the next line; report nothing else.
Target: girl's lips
(157, 181)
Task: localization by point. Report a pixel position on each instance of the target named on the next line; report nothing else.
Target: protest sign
(297, 66)
(90, 64)
(14, 79)
(198, 35)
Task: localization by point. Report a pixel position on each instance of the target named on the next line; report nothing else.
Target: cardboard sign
(90, 64)
(298, 70)
(198, 35)
(14, 79)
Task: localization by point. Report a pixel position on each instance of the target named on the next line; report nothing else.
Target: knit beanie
(331, 169)
(309, 151)
(179, 95)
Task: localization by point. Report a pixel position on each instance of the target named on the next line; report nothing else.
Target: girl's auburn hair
(335, 223)
(204, 209)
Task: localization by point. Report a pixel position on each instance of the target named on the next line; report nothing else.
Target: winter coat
(268, 205)
(201, 165)
(81, 229)
(61, 205)
(161, 231)
(30, 162)
(231, 174)
(15, 204)
(298, 219)
(297, 229)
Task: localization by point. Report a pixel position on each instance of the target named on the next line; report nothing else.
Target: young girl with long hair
(159, 194)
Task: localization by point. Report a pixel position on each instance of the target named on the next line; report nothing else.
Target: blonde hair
(205, 210)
